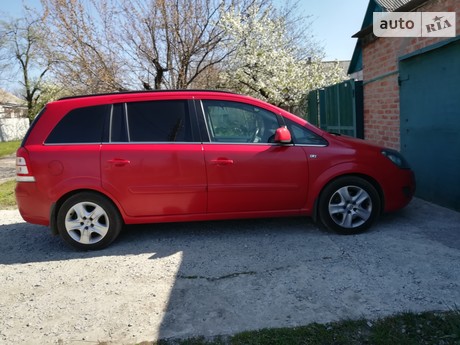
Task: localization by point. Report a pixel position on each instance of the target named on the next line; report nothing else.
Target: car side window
(82, 125)
(303, 136)
(233, 122)
(158, 121)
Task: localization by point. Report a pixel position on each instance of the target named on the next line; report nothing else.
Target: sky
(333, 22)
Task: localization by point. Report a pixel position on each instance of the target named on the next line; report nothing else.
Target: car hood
(351, 142)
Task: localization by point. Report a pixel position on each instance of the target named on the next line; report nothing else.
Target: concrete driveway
(190, 279)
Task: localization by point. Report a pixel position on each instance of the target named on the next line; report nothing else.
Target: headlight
(396, 158)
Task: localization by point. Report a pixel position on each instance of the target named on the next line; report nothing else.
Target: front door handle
(222, 161)
(118, 162)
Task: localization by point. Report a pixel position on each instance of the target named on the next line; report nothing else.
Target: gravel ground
(189, 279)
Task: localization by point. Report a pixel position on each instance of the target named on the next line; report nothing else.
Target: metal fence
(338, 108)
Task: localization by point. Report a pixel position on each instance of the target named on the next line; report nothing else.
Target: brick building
(412, 97)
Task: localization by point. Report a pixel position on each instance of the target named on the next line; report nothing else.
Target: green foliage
(406, 328)
(424, 328)
(48, 92)
(8, 147)
(7, 198)
(403, 329)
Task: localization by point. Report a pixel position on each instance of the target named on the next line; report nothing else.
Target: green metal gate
(430, 121)
(338, 108)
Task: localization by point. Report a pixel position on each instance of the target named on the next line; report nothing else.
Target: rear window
(159, 121)
(82, 125)
(32, 125)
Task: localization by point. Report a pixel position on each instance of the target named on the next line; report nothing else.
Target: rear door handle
(222, 161)
(118, 162)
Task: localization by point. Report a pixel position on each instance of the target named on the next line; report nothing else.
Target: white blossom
(266, 63)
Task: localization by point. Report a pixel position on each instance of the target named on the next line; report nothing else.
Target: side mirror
(283, 136)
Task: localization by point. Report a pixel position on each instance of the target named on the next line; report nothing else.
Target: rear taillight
(23, 172)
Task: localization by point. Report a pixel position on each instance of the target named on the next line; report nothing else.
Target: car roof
(68, 103)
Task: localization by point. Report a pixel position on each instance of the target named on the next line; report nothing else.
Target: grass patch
(8, 147)
(7, 199)
(429, 328)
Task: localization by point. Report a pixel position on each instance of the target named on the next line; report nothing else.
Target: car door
(152, 164)
(247, 171)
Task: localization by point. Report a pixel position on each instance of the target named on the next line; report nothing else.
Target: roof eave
(410, 6)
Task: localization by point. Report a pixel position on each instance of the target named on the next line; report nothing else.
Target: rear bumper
(33, 206)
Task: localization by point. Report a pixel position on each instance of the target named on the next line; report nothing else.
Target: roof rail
(143, 91)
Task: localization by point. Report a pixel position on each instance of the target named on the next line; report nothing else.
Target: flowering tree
(268, 62)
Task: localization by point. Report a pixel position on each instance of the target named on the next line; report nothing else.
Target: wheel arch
(58, 204)
(366, 177)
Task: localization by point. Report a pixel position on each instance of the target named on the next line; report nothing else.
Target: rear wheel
(88, 221)
(349, 205)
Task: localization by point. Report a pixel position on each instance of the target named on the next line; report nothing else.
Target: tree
(22, 51)
(175, 43)
(82, 41)
(49, 92)
(269, 62)
(108, 45)
(96, 46)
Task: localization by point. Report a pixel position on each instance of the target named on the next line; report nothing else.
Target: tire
(349, 205)
(88, 221)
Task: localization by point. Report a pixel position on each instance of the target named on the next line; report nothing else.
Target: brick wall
(380, 76)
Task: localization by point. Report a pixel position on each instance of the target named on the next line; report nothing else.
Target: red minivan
(90, 164)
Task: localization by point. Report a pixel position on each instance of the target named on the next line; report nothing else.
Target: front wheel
(349, 205)
(88, 221)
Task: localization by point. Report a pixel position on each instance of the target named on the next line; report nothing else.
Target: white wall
(13, 122)
(13, 129)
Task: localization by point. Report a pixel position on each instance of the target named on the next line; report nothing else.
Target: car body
(90, 164)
